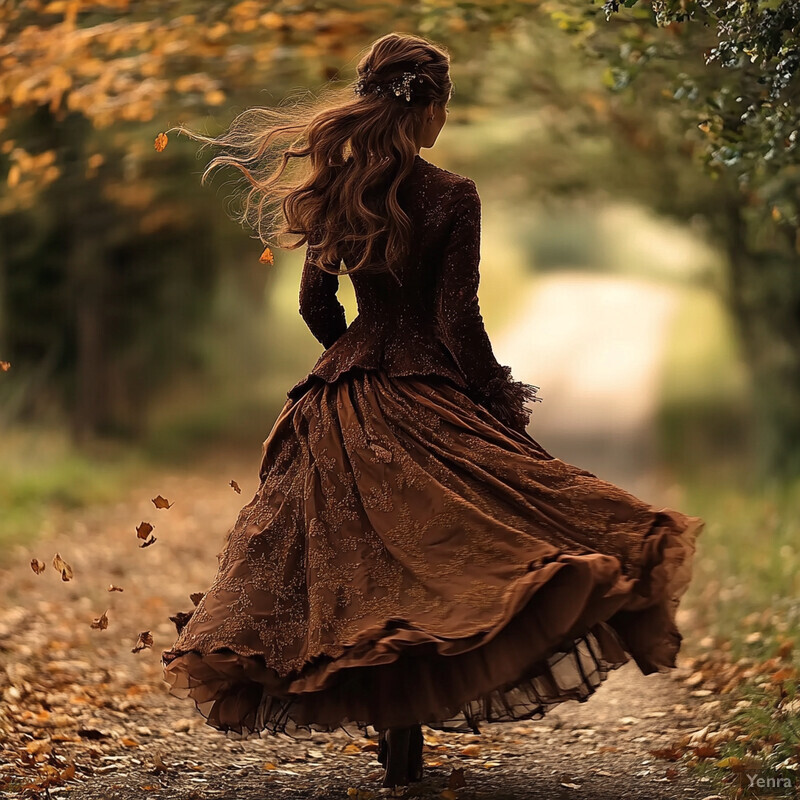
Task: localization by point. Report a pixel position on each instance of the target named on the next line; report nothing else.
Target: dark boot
(397, 746)
(382, 751)
(415, 754)
(400, 752)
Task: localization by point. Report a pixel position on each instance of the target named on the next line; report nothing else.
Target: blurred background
(639, 258)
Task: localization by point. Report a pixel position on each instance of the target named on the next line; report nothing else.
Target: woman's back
(424, 319)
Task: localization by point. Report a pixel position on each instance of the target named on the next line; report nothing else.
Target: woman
(412, 556)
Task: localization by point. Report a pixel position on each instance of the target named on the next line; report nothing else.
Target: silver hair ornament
(399, 86)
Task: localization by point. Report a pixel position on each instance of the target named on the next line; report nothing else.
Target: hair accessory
(401, 85)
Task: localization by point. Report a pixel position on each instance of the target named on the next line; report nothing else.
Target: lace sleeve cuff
(505, 399)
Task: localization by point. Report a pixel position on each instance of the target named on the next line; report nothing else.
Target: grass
(746, 587)
(43, 474)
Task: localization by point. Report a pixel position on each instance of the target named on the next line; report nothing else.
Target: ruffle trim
(567, 624)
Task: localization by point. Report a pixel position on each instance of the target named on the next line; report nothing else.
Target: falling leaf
(112, 588)
(267, 257)
(162, 502)
(456, 779)
(705, 126)
(235, 487)
(144, 530)
(61, 566)
(101, 623)
(196, 597)
(37, 566)
(161, 142)
(5, 366)
(145, 640)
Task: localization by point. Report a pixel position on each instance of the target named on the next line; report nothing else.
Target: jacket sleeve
(461, 324)
(320, 309)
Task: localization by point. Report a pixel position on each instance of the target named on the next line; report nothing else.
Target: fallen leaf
(101, 623)
(471, 750)
(128, 742)
(162, 502)
(161, 142)
(37, 566)
(705, 751)
(158, 763)
(456, 779)
(785, 650)
(145, 640)
(91, 733)
(571, 785)
(448, 794)
(671, 753)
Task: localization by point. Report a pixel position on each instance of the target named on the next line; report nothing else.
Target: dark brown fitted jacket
(427, 320)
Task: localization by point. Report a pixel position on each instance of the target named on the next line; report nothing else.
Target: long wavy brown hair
(351, 151)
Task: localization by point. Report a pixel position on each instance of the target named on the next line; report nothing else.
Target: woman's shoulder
(445, 181)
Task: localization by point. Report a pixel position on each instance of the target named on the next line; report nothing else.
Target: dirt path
(74, 694)
(594, 344)
(77, 694)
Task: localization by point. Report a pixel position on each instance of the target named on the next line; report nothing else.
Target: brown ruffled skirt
(407, 558)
